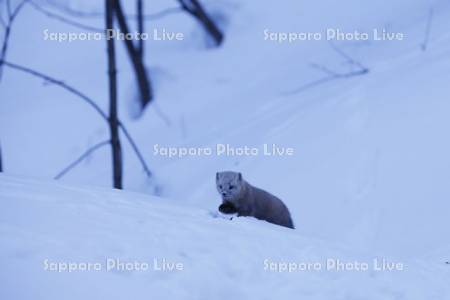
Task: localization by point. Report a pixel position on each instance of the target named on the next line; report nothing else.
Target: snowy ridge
(221, 259)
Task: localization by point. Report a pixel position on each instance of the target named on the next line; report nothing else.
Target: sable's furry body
(251, 201)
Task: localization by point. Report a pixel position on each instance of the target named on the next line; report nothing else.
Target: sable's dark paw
(227, 208)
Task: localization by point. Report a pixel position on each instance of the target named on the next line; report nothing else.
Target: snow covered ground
(44, 224)
(368, 178)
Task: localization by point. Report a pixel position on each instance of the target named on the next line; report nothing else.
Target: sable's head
(229, 185)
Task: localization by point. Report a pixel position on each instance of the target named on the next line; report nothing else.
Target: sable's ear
(239, 176)
(217, 176)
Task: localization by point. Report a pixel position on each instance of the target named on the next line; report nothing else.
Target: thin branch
(140, 26)
(63, 19)
(310, 85)
(11, 17)
(91, 15)
(82, 157)
(332, 75)
(4, 47)
(17, 10)
(162, 115)
(2, 22)
(348, 57)
(59, 83)
(76, 13)
(135, 149)
(116, 147)
(161, 14)
(323, 69)
(1, 164)
(325, 80)
(194, 8)
(427, 29)
(89, 101)
(144, 84)
(8, 9)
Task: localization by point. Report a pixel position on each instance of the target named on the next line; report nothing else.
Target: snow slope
(369, 177)
(221, 259)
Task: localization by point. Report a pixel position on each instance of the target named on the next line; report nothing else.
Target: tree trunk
(113, 120)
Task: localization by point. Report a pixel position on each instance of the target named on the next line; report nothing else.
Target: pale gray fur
(252, 201)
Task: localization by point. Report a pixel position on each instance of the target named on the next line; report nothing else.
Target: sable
(240, 197)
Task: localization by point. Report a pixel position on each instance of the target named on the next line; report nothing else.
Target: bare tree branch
(73, 12)
(7, 25)
(2, 22)
(82, 157)
(17, 9)
(1, 164)
(64, 20)
(135, 149)
(95, 15)
(89, 101)
(161, 14)
(140, 26)
(323, 69)
(11, 17)
(427, 29)
(4, 47)
(8, 9)
(332, 75)
(325, 80)
(349, 59)
(138, 64)
(194, 8)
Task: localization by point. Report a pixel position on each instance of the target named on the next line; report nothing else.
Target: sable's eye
(220, 186)
(231, 187)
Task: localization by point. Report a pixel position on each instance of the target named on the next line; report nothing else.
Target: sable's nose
(224, 194)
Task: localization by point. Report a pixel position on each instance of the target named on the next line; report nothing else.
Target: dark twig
(427, 29)
(135, 149)
(349, 59)
(89, 101)
(12, 14)
(161, 14)
(140, 26)
(63, 19)
(82, 157)
(332, 75)
(16, 11)
(60, 84)
(325, 80)
(93, 15)
(323, 69)
(75, 13)
(4, 47)
(194, 8)
(1, 164)
(8, 8)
